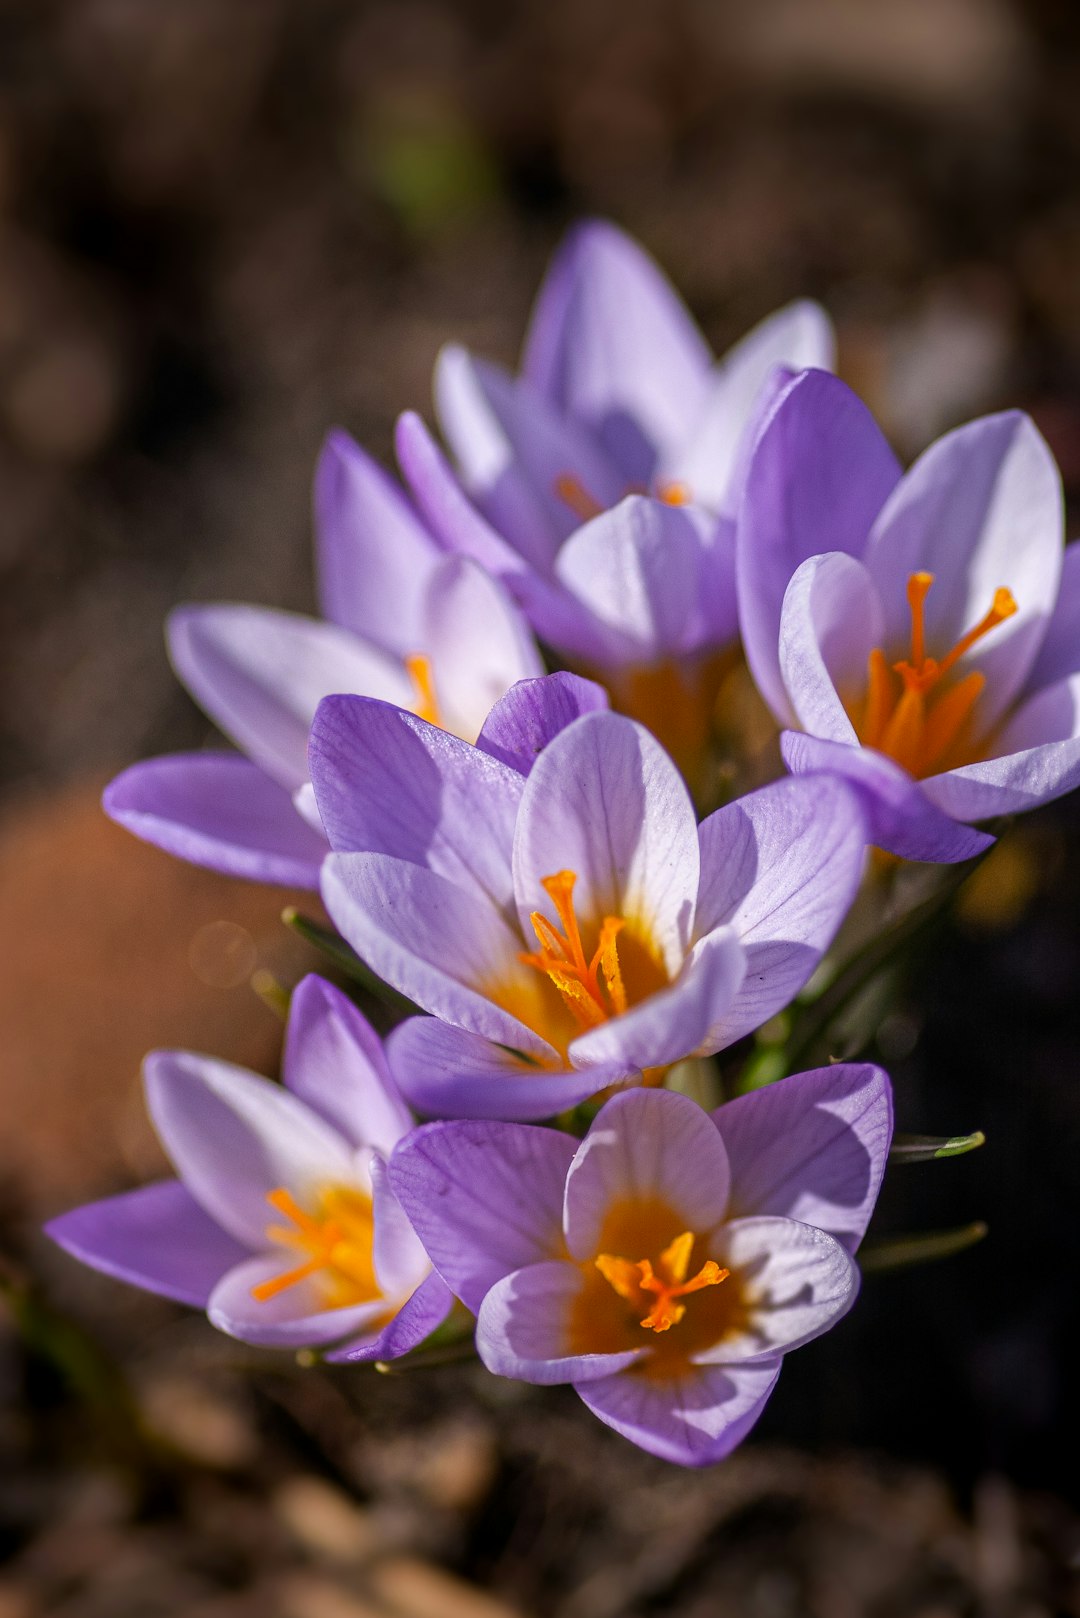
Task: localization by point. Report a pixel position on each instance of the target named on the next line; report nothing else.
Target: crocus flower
(576, 928)
(919, 631)
(282, 1224)
(403, 621)
(603, 478)
(665, 1264)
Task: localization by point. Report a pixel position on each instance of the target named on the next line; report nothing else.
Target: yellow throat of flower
(334, 1244)
(911, 710)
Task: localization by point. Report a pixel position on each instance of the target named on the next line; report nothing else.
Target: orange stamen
(592, 989)
(426, 702)
(673, 493)
(573, 493)
(630, 1278)
(337, 1245)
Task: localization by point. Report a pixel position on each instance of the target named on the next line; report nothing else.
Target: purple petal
(448, 1073)
(982, 508)
(638, 568)
(1028, 777)
(478, 643)
(533, 712)
(335, 1063)
(485, 1198)
(796, 1282)
(645, 1145)
(899, 814)
(387, 782)
(400, 1260)
(812, 1147)
(513, 450)
(707, 463)
(374, 555)
(1059, 654)
(605, 801)
(688, 1019)
(220, 811)
(818, 476)
(782, 867)
(442, 946)
(295, 1318)
(831, 620)
(157, 1238)
(415, 1320)
(523, 1328)
(233, 1137)
(611, 345)
(694, 1419)
(260, 675)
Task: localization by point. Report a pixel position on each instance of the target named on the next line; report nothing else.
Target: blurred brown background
(224, 226)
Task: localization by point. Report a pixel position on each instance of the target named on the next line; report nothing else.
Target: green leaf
(925, 1148)
(900, 1252)
(334, 947)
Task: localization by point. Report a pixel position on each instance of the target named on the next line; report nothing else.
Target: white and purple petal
(417, 1318)
(334, 1061)
(693, 1419)
(523, 1329)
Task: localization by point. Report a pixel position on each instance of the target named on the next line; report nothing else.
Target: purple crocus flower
(603, 478)
(665, 1264)
(403, 621)
(576, 928)
(918, 631)
(282, 1224)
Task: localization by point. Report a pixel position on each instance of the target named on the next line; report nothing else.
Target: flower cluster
(556, 870)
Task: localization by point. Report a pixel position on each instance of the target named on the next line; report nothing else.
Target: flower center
(425, 699)
(591, 987)
(335, 1243)
(631, 1277)
(910, 711)
(573, 493)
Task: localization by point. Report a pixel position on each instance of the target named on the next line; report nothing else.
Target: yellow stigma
(425, 701)
(907, 712)
(593, 987)
(631, 1277)
(336, 1243)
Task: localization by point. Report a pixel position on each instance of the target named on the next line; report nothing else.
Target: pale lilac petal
(1059, 654)
(818, 476)
(830, 622)
(260, 675)
(373, 554)
(334, 1061)
(980, 509)
(449, 1073)
(796, 338)
(694, 1419)
(688, 1019)
(460, 528)
(478, 643)
(638, 568)
(533, 712)
(220, 811)
(1032, 774)
(899, 814)
(513, 448)
(417, 1318)
(523, 1329)
(233, 1137)
(442, 946)
(387, 782)
(157, 1238)
(646, 1144)
(398, 1253)
(605, 801)
(812, 1147)
(612, 346)
(485, 1198)
(782, 867)
(796, 1282)
(295, 1318)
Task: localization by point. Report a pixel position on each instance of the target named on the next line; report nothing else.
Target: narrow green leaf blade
(925, 1148)
(334, 947)
(901, 1252)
